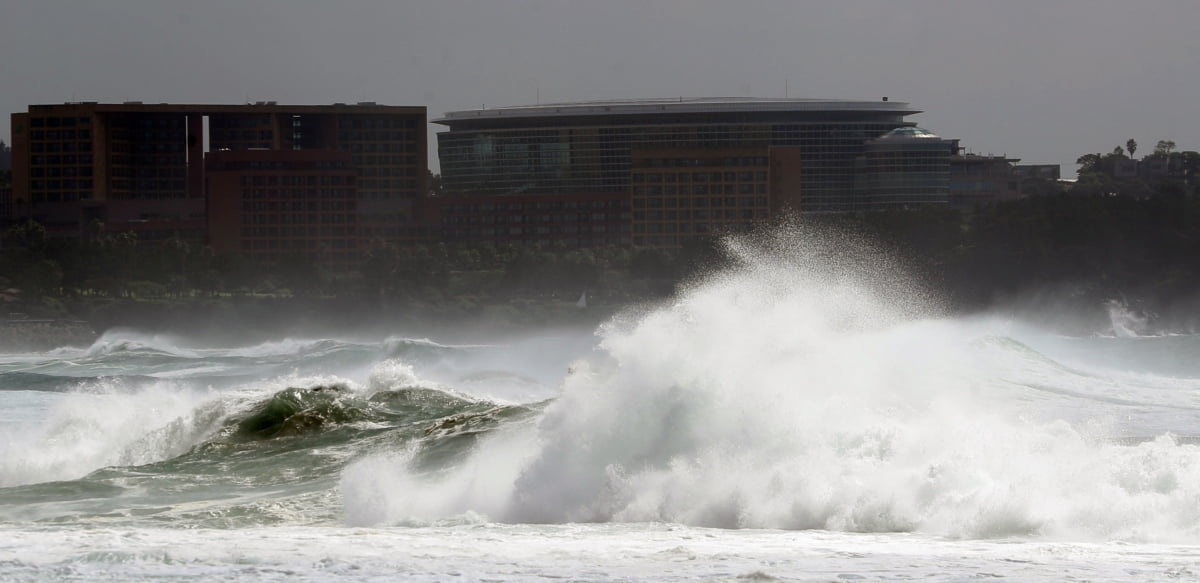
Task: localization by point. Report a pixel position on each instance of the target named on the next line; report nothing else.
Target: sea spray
(102, 424)
(1126, 322)
(805, 388)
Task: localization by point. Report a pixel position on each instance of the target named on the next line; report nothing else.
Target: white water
(806, 417)
(610, 552)
(804, 395)
(61, 438)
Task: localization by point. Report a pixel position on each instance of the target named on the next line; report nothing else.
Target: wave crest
(806, 388)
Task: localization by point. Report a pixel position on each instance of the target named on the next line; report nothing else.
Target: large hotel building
(263, 179)
(662, 171)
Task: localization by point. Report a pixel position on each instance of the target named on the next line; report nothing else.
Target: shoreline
(81, 321)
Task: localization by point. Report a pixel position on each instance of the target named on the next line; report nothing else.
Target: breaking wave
(813, 387)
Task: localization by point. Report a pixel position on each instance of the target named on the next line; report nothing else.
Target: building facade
(905, 167)
(681, 194)
(135, 166)
(268, 204)
(1050, 172)
(589, 147)
(980, 180)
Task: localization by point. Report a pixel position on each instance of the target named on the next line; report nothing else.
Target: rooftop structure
(702, 105)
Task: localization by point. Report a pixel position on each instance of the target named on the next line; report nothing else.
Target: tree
(29, 236)
(1163, 148)
(1131, 146)
(300, 273)
(1088, 163)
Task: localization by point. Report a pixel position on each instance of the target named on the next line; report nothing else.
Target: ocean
(808, 415)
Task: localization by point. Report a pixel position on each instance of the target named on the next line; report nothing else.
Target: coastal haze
(1044, 82)
(928, 392)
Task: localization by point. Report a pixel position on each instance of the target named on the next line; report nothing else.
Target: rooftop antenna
(785, 88)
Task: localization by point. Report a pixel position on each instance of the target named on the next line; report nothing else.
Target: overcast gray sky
(1041, 80)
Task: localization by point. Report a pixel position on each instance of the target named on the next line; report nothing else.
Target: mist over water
(814, 386)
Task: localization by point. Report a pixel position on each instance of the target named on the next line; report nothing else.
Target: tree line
(1107, 237)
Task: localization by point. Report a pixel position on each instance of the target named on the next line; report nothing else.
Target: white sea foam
(808, 389)
(105, 425)
(124, 340)
(610, 552)
(1126, 322)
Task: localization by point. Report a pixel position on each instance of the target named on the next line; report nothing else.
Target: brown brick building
(267, 204)
(135, 166)
(679, 194)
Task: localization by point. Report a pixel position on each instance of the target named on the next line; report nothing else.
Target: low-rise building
(977, 180)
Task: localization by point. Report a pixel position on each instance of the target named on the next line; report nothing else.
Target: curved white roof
(678, 105)
(909, 133)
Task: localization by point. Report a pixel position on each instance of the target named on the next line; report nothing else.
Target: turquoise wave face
(266, 461)
(146, 429)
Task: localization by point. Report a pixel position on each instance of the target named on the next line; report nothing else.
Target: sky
(1044, 81)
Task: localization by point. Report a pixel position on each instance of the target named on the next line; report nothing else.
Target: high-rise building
(140, 167)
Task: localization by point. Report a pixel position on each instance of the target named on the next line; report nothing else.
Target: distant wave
(29, 381)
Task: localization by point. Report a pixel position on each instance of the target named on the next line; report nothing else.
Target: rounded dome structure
(910, 133)
(906, 166)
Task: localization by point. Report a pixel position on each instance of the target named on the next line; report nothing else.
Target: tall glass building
(589, 147)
